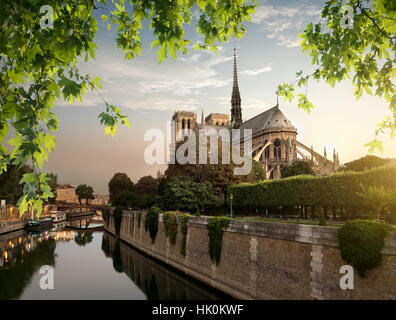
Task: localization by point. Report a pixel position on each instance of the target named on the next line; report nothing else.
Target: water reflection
(83, 238)
(87, 265)
(156, 280)
(22, 258)
(92, 222)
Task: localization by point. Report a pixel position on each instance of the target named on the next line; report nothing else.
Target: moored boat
(39, 225)
(58, 216)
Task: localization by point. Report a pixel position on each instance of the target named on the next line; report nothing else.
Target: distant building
(66, 193)
(99, 200)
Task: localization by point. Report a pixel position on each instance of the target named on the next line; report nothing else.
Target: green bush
(184, 229)
(170, 225)
(361, 243)
(117, 219)
(340, 189)
(322, 220)
(124, 199)
(139, 217)
(151, 222)
(106, 214)
(216, 227)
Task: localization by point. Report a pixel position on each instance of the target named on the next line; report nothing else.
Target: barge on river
(39, 225)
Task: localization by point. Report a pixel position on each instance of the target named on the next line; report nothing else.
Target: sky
(149, 93)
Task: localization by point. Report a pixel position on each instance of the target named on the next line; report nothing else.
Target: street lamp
(231, 197)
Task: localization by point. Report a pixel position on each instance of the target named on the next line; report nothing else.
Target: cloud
(285, 23)
(256, 71)
(147, 85)
(257, 104)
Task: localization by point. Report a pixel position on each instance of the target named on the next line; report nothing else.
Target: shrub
(361, 243)
(151, 222)
(322, 220)
(139, 216)
(340, 189)
(124, 199)
(297, 168)
(180, 193)
(216, 227)
(117, 219)
(143, 201)
(170, 225)
(106, 214)
(184, 229)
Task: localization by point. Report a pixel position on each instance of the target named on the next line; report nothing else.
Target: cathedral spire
(202, 120)
(235, 82)
(236, 110)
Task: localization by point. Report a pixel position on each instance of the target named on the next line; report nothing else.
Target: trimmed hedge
(339, 189)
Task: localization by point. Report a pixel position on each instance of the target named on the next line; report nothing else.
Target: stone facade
(67, 194)
(265, 260)
(274, 142)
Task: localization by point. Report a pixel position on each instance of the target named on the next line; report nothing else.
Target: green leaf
(22, 205)
(162, 52)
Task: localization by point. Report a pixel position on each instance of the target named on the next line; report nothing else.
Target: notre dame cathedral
(274, 138)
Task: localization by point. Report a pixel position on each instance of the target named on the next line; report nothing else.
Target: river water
(87, 265)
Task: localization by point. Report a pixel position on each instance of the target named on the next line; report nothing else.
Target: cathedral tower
(236, 110)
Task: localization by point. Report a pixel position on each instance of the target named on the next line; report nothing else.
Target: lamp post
(231, 197)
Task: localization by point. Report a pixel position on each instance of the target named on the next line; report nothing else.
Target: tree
(53, 183)
(82, 238)
(357, 43)
(124, 199)
(146, 185)
(10, 189)
(377, 197)
(119, 183)
(297, 168)
(182, 193)
(219, 175)
(38, 62)
(84, 192)
(365, 163)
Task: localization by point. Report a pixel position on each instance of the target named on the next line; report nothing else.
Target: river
(88, 265)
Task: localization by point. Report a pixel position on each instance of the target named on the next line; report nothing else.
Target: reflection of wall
(156, 281)
(262, 260)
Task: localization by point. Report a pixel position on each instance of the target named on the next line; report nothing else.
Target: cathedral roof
(271, 118)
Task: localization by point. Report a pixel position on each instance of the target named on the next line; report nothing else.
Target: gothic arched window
(277, 149)
(189, 124)
(266, 151)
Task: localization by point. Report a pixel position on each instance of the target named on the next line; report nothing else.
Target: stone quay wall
(264, 260)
